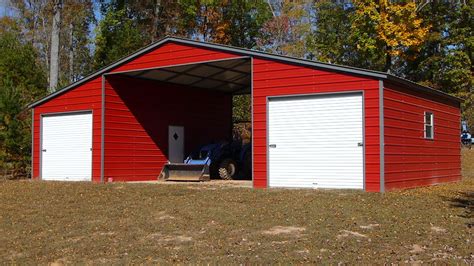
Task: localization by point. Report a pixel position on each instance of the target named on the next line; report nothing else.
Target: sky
(7, 10)
(4, 10)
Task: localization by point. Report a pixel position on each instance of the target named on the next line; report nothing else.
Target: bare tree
(54, 56)
(155, 19)
(71, 52)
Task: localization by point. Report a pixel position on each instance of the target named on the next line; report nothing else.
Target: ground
(46, 222)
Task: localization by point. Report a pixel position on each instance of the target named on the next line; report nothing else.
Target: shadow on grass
(465, 201)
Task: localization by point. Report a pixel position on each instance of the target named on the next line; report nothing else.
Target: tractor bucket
(185, 172)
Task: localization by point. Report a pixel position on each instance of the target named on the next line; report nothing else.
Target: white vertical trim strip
(32, 142)
(382, 137)
(251, 123)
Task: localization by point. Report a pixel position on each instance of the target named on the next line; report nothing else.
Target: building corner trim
(102, 130)
(32, 142)
(382, 136)
(252, 122)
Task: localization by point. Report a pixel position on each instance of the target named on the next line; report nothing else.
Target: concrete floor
(213, 182)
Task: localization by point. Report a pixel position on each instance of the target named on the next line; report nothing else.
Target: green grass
(45, 222)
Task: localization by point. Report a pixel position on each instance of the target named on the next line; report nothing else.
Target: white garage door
(66, 147)
(316, 141)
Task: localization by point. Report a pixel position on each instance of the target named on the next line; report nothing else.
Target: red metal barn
(314, 125)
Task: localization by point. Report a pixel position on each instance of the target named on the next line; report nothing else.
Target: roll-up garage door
(66, 147)
(316, 141)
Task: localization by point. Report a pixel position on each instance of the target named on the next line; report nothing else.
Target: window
(429, 126)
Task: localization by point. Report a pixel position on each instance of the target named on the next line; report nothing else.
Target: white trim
(252, 142)
(430, 125)
(382, 136)
(32, 142)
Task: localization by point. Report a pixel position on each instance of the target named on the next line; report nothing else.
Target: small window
(429, 125)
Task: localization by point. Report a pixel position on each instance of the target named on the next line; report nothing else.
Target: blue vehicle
(222, 160)
(466, 137)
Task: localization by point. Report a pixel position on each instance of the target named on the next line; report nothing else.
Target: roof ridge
(246, 51)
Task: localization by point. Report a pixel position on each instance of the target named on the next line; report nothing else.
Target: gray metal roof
(248, 52)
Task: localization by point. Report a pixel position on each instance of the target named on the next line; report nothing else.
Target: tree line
(47, 44)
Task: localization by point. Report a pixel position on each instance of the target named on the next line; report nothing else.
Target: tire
(227, 169)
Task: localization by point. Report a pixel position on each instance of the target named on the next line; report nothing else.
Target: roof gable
(120, 65)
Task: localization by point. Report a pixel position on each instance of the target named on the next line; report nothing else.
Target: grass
(46, 222)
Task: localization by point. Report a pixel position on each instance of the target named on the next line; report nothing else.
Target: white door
(66, 147)
(316, 141)
(176, 144)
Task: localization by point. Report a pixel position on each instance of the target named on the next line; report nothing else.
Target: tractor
(216, 160)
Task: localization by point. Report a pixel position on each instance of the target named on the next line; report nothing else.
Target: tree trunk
(71, 52)
(54, 61)
(155, 20)
(388, 59)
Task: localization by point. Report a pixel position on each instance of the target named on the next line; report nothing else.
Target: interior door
(176, 144)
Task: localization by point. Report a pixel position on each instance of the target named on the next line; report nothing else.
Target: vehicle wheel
(227, 169)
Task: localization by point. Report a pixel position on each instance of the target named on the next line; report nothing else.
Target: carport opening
(209, 101)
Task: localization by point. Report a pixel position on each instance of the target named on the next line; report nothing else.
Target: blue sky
(4, 10)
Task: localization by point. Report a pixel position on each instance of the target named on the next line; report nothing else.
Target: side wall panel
(86, 97)
(137, 115)
(271, 78)
(410, 159)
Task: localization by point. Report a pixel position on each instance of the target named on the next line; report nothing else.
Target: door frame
(42, 115)
(316, 94)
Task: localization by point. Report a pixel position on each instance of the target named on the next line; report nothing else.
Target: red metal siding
(196, 109)
(137, 115)
(410, 159)
(86, 97)
(272, 78)
(173, 54)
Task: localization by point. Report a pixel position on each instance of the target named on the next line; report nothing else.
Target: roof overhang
(227, 75)
(249, 53)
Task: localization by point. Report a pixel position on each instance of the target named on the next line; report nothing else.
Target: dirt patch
(160, 238)
(201, 187)
(284, 242)
(370, 226)
(347, 233)
(164, 216)
(106, 233)
(415, 249)
(284, 230)
(438, 229)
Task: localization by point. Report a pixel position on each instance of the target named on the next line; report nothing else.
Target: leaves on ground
(50, 222)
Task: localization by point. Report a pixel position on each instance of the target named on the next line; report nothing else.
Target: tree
(246, 18)
(35, 18)
(385, 30)
(286, 33)
(75, 49)
(330, 39)
(54, 55)
(22, 79)
(445, 62)
(117, 36)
